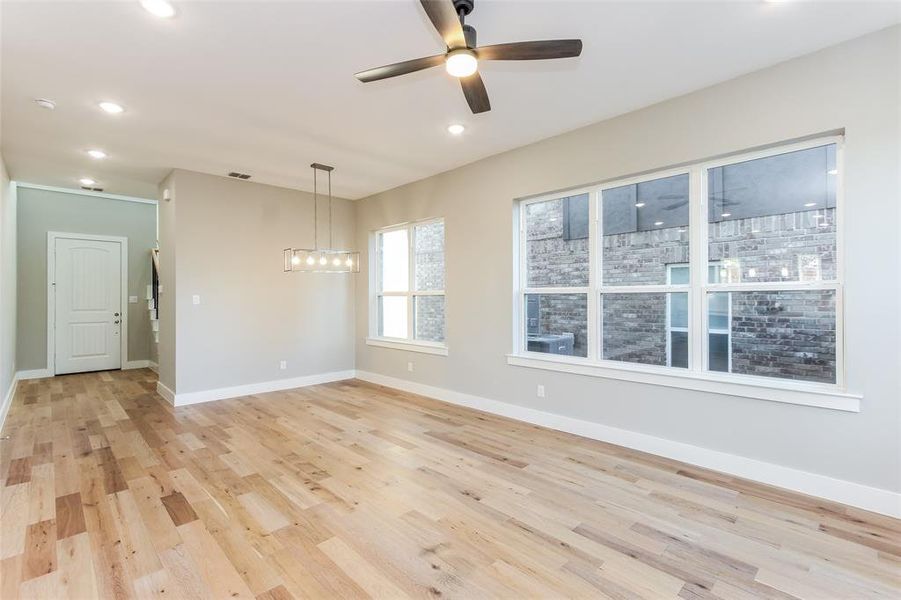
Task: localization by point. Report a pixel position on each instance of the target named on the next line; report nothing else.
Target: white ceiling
(267, 87)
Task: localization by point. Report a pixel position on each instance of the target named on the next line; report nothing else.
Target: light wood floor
(352, 490)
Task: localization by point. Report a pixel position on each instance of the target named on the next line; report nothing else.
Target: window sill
(805, 394)
(410, 346)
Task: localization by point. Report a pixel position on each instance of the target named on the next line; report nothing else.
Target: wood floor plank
(40, 550)
(358, 491)
(76, 566)
(69, 516)
(178, 508)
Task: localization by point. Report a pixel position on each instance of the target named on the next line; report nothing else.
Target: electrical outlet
(410, 367)
(132, 299)
(540, 391)
(283, 365)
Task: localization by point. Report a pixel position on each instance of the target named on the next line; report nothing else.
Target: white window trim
(410, 346)
(408, 343)
(696, 377)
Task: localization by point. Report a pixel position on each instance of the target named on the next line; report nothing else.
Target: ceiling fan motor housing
(464, 6)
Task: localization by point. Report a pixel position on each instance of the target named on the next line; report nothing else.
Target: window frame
(697, 375)
(376, 292)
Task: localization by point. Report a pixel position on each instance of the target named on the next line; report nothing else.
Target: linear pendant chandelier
(321, 260)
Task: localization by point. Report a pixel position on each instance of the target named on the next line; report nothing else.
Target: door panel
(88, 280)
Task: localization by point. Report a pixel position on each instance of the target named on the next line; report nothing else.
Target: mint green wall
(7, 286)
(40, 211)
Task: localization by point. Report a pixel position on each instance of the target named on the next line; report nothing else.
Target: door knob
(116, 321)
(115, 314)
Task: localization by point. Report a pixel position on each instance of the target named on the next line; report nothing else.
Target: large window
(408, 284)
(727, 269)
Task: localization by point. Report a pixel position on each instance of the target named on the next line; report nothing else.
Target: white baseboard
(8, 399)
(34, 374)
(137, 364)
(186, 398)
(846, 492)
(165, 392)
(153, 367)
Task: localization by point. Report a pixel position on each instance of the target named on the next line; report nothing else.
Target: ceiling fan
(463, 55)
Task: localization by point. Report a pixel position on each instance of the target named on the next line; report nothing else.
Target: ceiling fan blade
(444, 17)
(476, 94)
(538, 50)
(401, 68)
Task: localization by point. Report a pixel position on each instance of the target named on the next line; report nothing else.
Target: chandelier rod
(330, 210)
(315, 214)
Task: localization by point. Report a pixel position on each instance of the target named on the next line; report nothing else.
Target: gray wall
(228, 237)
(166, 351)
(7, 282)
(854, 86)
(40, 211)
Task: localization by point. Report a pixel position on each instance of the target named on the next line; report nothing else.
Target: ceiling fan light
(461, 63)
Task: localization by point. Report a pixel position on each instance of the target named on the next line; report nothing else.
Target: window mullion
(773, 286)
(374, 324)
(411, 278)
(519, 333)
(593, 277)
(697, 251)
(556, 290)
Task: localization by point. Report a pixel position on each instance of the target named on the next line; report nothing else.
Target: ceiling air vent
(91, 189)
(237, 175)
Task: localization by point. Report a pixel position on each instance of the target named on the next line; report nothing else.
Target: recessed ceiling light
(724, 215)
(111, 107)
(96, 154)
(832, 172)
(658, 223)
(45, 103)
(639, 204)
(86, 181)
(455, 129)
(809, 204)
(159, 8)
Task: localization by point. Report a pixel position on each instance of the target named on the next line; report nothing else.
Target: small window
(645, 228)
(409, 283)
(773, 218)
(554, 258)
(555, 301)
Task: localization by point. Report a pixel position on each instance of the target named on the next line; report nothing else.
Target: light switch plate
(195, 299)
(132, 299)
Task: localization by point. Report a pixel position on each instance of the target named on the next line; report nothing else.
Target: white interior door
(88, 292)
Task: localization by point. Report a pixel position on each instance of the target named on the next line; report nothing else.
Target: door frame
(52, 236)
